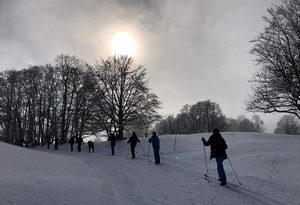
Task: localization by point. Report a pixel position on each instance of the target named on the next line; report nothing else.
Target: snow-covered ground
(267, 165)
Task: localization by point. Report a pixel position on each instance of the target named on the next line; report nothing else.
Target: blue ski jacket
(155, 141)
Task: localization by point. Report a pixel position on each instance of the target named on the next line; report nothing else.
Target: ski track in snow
(263, 164)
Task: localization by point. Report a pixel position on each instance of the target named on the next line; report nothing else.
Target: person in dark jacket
(112, 139)
(56, 143)
(218, 148)
(72, 141)
(49, 141)
(91, 146)
(79, 142)
(133, 140)
(155, 144)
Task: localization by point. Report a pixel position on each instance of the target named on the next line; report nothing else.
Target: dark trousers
(156, 155)
(132, 151)
(71, 147)
(220, 168)
(79, 147)
(113, 150)
(91, 147)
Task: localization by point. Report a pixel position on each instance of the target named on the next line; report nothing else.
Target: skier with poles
(133, 140)
(79, 142)
(72, 141)
(155, 144)
(218, 148)
(49, 141)
(112, 140)
(56, 140)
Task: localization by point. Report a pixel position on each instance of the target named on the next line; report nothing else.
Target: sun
(123, 43)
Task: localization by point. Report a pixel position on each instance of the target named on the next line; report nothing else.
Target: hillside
(267, 165)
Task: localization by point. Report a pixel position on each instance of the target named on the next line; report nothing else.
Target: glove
(203, 140)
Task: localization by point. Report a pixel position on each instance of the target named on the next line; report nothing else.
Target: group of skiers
(216, 142)
(79, 142)
(133, 140)
(72, 141)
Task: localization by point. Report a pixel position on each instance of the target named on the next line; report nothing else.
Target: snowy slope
(267, 165)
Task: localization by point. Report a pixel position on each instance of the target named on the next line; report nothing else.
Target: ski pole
(119, 148)
(175, 142)
(162, 156)
(205, 161)
(148, 151)
(234, 171)
(142, 149)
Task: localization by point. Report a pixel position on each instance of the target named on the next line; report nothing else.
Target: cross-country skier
(112, 139)
(133, 140)
(218, 148)
(56, 143)
(72, 141)
(49, 141)
(79, 142)
(91, 146)
(155, 144)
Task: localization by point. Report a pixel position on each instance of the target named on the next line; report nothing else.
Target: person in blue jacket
(155, 144)
(218, 148)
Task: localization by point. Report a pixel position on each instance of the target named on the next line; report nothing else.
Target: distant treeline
(71, 98)
(204, 116)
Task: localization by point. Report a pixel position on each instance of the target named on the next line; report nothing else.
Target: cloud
(193, 50)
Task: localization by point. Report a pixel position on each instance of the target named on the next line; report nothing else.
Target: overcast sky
(193, 49)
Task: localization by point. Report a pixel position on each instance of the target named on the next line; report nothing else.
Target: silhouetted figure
(91, 146)
(112, 139)
(155, 144)
(56, 143)
(72, 141)
(48, 141)
(133, 140)
(79, 142)
(218, 148)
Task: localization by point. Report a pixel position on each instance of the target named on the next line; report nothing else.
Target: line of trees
(204, 116)
(72, 98)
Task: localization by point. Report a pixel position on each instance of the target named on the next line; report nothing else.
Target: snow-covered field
(267, 165)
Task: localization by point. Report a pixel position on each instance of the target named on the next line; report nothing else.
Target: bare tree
(258, 123)
(245, 125)
(9, 114)
(167, 125)
(288, 124)
(208, 115)
(276, 87)
(70, 69)
(126, 97)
